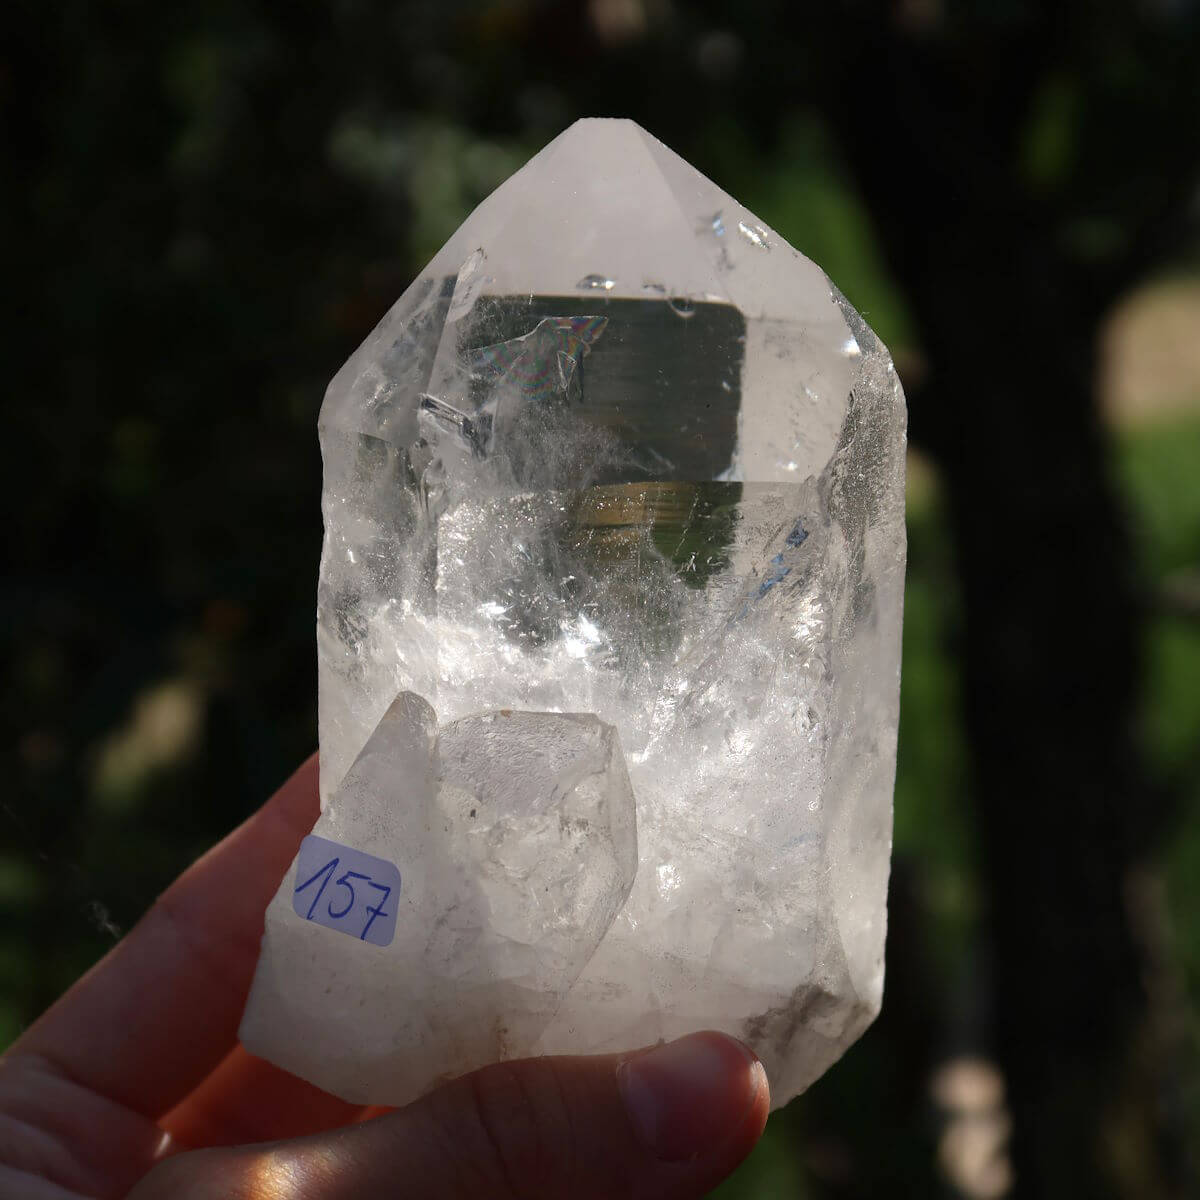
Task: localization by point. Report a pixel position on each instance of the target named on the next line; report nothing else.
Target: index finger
(160, 1011)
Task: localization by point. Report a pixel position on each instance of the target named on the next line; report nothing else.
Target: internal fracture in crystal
(619, 451)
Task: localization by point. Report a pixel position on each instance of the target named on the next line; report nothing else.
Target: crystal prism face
(621, 450)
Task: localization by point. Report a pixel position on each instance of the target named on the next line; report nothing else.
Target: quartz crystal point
(620, 450)
(516, 834)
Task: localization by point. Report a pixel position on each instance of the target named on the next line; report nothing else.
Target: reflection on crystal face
(756, 235)
(620, 451)
(541, 362)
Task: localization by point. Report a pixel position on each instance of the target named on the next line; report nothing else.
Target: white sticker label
(347, 890)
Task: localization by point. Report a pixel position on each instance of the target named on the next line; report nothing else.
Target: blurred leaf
(771, 1172)
(801, 191)
(1050, 136)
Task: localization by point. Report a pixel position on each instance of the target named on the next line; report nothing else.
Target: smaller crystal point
(515, 841)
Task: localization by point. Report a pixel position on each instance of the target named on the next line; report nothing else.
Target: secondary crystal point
(620, 450)
(514, 837)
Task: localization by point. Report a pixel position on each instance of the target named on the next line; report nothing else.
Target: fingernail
(688, 1095)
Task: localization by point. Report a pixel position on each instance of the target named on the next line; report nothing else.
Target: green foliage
(1158, 469)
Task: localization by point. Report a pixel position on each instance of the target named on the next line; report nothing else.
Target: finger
(55, 1134)
(168, 998)
(249, 1100)
(670, 1122)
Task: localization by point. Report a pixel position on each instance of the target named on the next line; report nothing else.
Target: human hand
(135, 1080)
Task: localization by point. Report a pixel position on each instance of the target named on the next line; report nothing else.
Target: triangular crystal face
(620, 450)
(607, 217)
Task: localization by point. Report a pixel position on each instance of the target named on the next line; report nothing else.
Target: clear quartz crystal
(622, 451)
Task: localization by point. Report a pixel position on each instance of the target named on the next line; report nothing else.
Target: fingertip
(687, 1097)
(760, 1109)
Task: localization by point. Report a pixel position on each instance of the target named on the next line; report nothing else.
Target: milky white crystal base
(759, 730)
(516, 835)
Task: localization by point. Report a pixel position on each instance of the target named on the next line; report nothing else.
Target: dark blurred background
(206, 204)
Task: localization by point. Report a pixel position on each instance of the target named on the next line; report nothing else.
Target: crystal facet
(621, 451)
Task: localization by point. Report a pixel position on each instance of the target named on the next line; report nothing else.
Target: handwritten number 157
(325, 874)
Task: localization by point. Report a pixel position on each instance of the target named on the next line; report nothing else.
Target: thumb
(668, 1122)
